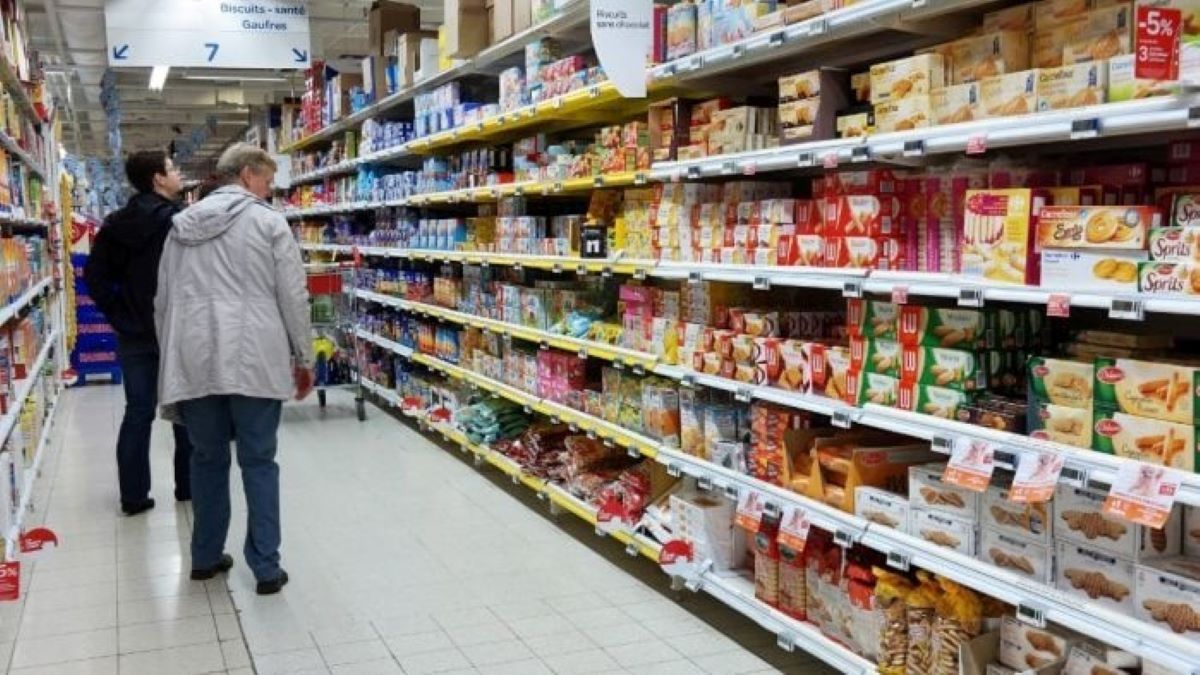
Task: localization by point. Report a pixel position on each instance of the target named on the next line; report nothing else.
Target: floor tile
(464, 617)
(434, 662)
(731, 663)
(354, 652)
(380, 667)
(228, 627)
(418, 643)
(539, 625)
(286, 663)
(637, 654)
(44, 624)
(526, 667)
(590, 661)
(60, 648)
(597, 617)
(559, 643)
(183, 660)
(235, 653)
(613, 636)
(355, 631)
(483, 656)
(480, 634)
(166, 634)
(162, 609)
(104, 665)
(405, 625)
(678, 667)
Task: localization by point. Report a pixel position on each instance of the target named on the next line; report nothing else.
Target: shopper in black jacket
(122, 277)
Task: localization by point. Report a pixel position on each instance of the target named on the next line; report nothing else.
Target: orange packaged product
(1117, 227)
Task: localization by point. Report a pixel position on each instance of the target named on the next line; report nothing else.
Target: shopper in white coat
(232, 316)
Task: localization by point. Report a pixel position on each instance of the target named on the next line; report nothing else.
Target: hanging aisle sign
(621, 35)
(210, 34)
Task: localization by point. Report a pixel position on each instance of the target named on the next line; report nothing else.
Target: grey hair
(241, 155)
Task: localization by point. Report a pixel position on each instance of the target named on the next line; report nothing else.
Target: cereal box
(912, 76)
(997, 239)
(1083, 270)
(1120, 227)
(1147, 440)
(1148, 389)
(1095, 574)
(957, 103)
(1072, 86)
(1009, 94)
(903, 114)
(1025, 557)
(1080, 518)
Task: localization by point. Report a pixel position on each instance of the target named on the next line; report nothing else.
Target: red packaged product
(862, 215)
(881, 253)
(868, 182)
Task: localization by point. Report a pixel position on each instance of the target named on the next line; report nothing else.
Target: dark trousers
(214, 422)
(139, 366)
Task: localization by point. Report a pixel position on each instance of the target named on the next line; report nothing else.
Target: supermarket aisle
(403, 558)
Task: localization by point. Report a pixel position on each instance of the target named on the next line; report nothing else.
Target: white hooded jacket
(232, 304)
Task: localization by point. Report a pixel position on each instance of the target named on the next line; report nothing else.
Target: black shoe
(274, 586)
(223, 565)
(134, 508)
(182, 497)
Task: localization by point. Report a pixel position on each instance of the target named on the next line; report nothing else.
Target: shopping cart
(334, 338)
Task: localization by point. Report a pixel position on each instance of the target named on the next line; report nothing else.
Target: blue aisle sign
(209, 33)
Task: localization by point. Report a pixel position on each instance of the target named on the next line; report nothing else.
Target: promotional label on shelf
(1058, 305)
(678, 559)
(749, 510)
(10, 581)
(38, 540)
(1035, 477)
(1156, 43)
(610, 517)
(972, 462)
(621, 34)
(793, 527)
(1143, 494)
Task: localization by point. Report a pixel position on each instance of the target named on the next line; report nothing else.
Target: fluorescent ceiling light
(233, 78)
(158, 77)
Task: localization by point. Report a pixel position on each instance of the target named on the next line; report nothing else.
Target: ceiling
(69, 36)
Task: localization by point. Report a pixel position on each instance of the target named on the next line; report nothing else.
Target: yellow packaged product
(959, 617)
(860, 86)
(1010, 94)
(910, 112)
(957, 103)
(1019, 17)
(800, 86)
(997, 241)
(1161, 391)
(913, 76)
(974, 58)
(856, 124)
(919, 616)
(1123, 85)
(1145, 439)
(1052, 12)
(1103, 34)
(891, 597)
(1072, 86)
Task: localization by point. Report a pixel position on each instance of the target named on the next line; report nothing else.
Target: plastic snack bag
(891, 598)
(959, 618)
(919, 614)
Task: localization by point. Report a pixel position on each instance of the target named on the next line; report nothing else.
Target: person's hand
(303, 377)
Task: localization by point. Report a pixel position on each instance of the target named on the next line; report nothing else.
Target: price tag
(898, 560)
(852, 288)
(673, 470)
(804, 160)
(899, 295)
(677, 559)
(843, 418)
(743, 394)
(970, 296)
(10, 581)
(793, 527)
(594, 92)
(598, 181)
(971, 464)
(1059, 305)
(1156, 43)
(977, 144)
(1036, 477)
(1074, 475)
(1143, 494)
(1129, 309)
(727, 168)
(914, 148)
(695, 277)
(581, 270)
(830, 160)
(737, 51)
(1031, 614)
(776, 38)
(1085, 128)
(693, 172)
(762, 283)
(861, 153)
(749, 510)
(750, 168)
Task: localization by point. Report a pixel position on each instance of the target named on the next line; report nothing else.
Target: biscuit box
(1175, 244)
(873, 388)
(942, 327)
(881, 507)
(944, 529)
(927, 490)
(1124, 85)
(1033, 521)
(1121, 227)
(1061, 381)
(1060, 424)
(1026, 557)
(941, 367)
(1167, 594)
(957, 103)
(1158, 277)
(1028, 648)
(1073, 86)
(1079, 517)
(1009, 94)
(880, 355)
(974, 58)
(913, 76)
(932, 400)
(997, 240)
(1102, 34)
(872, 318)
(1106, 271)
(1145, 439)
(1100, 576)
(904, 114)
(879, 253)
(1148, 389)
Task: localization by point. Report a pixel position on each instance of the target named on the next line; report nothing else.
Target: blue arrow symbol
(121, 53)
(300, 54)
(213, 46)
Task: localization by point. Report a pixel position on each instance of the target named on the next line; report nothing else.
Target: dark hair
(142, 167)
(208, 187)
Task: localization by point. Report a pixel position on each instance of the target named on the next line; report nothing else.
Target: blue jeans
(139, 365)
(212, 422)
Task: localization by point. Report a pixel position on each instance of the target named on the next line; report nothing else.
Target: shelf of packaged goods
(351, 165)
(25, 386)
(10, 145)
(1154, 115)
(904, 550)
(27, 298)
(584, 348)
(570, 17)
(31, 475)
(23, 221)
(490, 193)
(579, 105)
(761, 277)
(18, 92)
(379, 340)
(332, 209)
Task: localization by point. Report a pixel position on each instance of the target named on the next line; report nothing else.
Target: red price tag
(1059, 305)
(10, 581)
(830, 160)
(1156, 43)
(38, 539)
(750, 169)
(1143, 494)
(899, 295)
(677, 558)
(977, 145)
(793, 528)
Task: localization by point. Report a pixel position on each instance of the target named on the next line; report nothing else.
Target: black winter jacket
(122, 270)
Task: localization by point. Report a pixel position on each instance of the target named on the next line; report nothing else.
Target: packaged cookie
(1147, 389)
(956, 103)
(1025, 647)
(1145, 439)
(1079, 517)
(913, 76)
(1009, 94)
(1174, 244)
(974, 58)
(944, 529)
(1169, 278)
(1191, 531)
(880, 355)
(959, 617)
(904, 114)
(1098, 575)
(1099, 35)
(927, 490)
(932, 400)
(919, 614)
(942, 327)
(766, 561)
(1109, 271)
(1061, 382)
(872, 318)
(1167, 594)
(873, 388)
(1030, 521)
(884, 508)
(1120, 227)
(958, 369)
(1061, 424)
(792, 588)
(1072, 86)
(1022, 556)
(997, 240)
(891, 598)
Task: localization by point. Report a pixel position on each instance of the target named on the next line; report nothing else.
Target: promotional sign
(678, 559)
(10, 581)
(749, 510)
(1143, 494)
(972, 462)
(793, 528)
(610, 517)
(622, 37)
(1156, 43)
(211, 34)
(1036, 476)
(38, 539)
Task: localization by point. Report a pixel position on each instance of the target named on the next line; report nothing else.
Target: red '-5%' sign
(1156, 43)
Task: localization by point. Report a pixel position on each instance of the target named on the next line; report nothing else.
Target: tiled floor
(403, 559)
